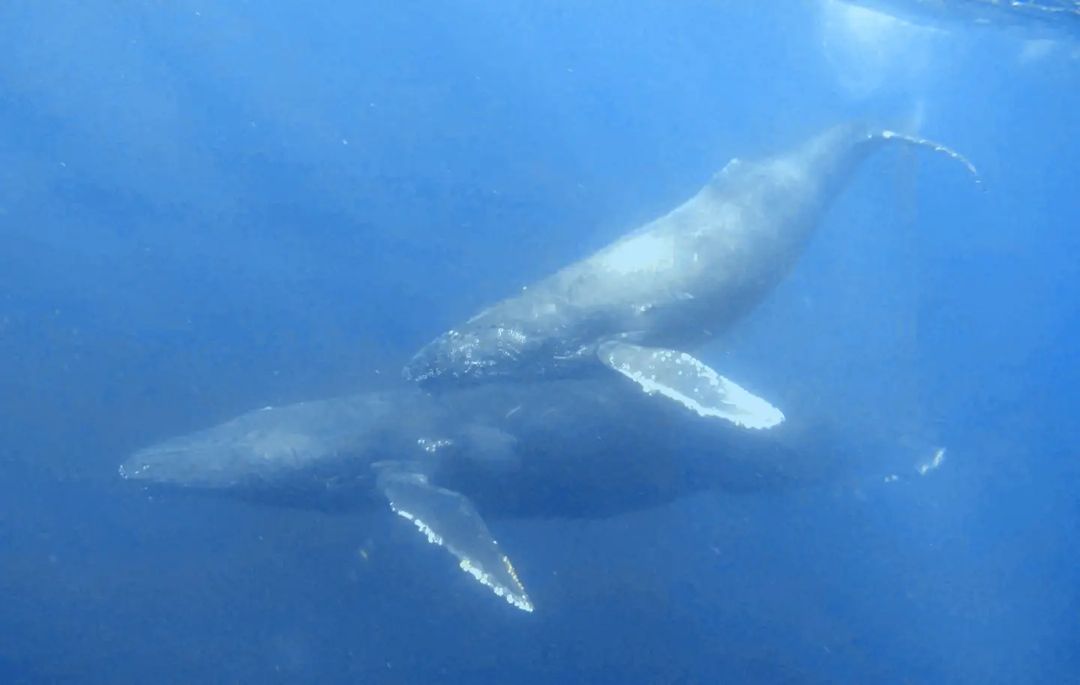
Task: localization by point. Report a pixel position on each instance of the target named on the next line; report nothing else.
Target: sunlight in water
(645, 253)
(869, 50)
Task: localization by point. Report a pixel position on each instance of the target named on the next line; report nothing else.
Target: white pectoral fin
(448, 519)
(690, 382)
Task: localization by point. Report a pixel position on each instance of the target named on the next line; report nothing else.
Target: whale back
(678, 281)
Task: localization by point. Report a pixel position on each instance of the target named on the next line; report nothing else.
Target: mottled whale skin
(573, 448)
(675, 283)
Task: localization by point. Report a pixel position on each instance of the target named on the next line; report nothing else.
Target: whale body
(574, 448)
(638, 305)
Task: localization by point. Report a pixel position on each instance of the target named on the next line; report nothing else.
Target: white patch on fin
(691, 383)
(432, 537)
(521, 601)
(448, 519)
(934, 464)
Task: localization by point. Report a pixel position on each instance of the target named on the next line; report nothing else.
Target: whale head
(179, 462)
(195, 461)
(235, 454)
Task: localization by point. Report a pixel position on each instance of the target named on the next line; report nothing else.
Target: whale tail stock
(834, 155)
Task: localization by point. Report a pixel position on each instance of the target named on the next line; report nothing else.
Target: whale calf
(637, 305)
(571, 448)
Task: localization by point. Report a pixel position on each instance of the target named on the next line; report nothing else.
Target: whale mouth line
(142, 464)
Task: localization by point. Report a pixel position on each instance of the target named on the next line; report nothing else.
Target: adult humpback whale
(569, 448)
(668, 286)
(1039, 17)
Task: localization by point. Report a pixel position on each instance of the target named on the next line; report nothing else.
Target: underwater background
(211, 207)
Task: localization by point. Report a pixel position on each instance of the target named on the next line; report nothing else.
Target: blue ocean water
(210, 207)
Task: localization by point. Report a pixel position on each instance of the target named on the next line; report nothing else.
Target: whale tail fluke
(915, 141)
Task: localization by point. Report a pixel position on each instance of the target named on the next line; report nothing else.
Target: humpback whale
(1038, 17)
(571, 448)
(637, 305)
(561, 439)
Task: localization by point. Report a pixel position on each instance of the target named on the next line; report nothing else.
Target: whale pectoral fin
(448, 519)
(691, 383)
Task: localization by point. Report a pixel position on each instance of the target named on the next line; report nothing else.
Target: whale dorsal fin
(448, 519)
(690, 382)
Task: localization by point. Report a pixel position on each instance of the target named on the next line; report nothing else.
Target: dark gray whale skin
(445, 462)
(675, 283)
(570, 448)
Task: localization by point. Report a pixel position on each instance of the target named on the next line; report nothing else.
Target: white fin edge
(519, 600)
